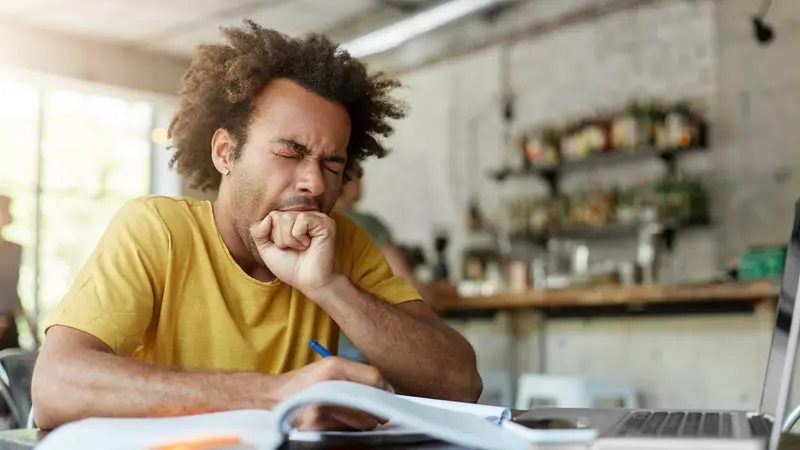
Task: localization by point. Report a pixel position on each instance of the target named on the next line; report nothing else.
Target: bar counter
(686, 297)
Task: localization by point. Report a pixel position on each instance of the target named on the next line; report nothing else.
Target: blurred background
(596, 193)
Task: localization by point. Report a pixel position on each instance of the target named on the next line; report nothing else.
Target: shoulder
(351, 241)
(161, 204)
(347, 229)
(159, 210)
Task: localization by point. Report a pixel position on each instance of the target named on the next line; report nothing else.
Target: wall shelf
(605, 301)
(669, 229)
(552, 173)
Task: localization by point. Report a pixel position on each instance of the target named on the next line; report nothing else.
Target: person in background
(10, 261)
(349, 196)
(189, 306)
(380, 233)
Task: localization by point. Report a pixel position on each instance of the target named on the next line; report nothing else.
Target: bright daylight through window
(70, 160)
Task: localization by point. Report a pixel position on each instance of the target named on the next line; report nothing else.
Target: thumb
(261, 232)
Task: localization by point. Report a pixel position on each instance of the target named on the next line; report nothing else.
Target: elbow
(473, 387)
(48, 399)
(467, 388)
(44, 418)
(469, 382)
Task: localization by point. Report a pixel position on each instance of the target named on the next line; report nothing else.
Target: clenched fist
(297, 247)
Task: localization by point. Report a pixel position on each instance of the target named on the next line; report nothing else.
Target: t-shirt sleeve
(117, 289)
(372, 272)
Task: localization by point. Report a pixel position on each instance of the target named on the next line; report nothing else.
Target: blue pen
(317, 347)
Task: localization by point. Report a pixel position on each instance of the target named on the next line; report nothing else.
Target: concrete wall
(454, 134)
(672, 49)
(756, 122)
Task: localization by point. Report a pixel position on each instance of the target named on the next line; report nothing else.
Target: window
(70, 159)
(19, 126)
(95, 156)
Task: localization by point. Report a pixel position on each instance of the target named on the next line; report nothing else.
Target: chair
(16, 371)
(536, 390)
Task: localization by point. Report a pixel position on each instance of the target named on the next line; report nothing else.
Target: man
(349, 196)
(10, 261)
(187, 306)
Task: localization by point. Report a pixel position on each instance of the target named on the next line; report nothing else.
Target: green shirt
(374, 226)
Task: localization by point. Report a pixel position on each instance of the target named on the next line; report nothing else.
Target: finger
(320, 418)
(300, 229)
(261, 231)
(321, 225)
(282, 233)
(351, 418)
(275, 233)
(312, 419)
(364, 374)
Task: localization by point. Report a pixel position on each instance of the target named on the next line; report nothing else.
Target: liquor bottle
(624, 130)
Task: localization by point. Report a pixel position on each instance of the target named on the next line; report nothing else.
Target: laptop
(621, 428)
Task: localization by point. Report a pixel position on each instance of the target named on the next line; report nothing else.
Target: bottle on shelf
(683, 125)
(644, 125)
(623, 130)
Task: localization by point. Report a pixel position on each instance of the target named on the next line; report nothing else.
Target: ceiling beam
(403, 7)
(461, 41)
(433, 18)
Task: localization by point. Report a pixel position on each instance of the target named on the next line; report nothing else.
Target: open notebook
(410, 419)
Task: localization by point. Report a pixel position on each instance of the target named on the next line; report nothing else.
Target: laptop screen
(782, 351)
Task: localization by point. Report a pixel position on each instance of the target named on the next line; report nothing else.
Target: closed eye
(337, 171)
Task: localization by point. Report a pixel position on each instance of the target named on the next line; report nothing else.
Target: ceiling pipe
(426, 21)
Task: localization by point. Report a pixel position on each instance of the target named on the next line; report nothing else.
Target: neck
(250, 264)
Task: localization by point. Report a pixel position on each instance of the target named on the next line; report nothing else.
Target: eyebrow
(304, 150)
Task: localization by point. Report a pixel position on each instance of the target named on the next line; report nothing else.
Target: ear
(222, 145)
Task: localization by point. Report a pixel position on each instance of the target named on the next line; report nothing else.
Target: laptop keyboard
(677, 424)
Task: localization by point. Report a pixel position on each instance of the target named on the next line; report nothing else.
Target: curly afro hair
(222, 82)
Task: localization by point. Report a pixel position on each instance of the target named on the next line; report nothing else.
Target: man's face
(293, 159)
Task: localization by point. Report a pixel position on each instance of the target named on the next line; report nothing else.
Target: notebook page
(254, 427)
(407, 418)
(485, 411)
(400, 434)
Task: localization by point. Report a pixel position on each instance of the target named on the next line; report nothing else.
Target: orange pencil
(201, 444)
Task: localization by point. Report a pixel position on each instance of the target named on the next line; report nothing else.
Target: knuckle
(373, 376)
(330, 368)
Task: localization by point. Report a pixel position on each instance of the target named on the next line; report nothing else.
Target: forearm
(419, 357)
(90, 383)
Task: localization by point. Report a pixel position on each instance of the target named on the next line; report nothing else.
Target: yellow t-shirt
(162, 287)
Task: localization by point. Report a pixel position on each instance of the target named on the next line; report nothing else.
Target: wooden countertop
(447, 299)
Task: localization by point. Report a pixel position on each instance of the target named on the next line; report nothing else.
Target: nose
(311, 181)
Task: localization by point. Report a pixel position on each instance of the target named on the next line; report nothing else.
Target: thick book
(409, 420)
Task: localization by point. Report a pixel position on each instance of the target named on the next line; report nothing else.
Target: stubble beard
(245, 205)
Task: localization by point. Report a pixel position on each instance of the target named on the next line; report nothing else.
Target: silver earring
(225, 171)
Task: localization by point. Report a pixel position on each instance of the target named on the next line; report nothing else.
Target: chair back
(16, 372)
